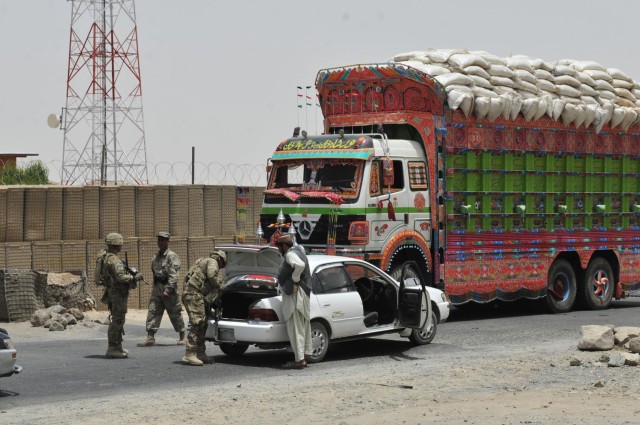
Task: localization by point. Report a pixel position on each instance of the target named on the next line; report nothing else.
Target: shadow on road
(502, 309)
(396, 349)
(4, 393)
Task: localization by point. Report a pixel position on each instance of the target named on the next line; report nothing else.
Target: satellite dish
(52, 121)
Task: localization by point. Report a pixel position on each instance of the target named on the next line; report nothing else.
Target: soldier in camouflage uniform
(117, 281)
(202, 287)
(164, 295)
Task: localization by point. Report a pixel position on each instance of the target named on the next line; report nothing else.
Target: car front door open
(414, 304)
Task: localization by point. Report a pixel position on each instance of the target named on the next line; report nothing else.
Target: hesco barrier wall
(61, 229)
(54, 213)
(18, 298)
(75, 256)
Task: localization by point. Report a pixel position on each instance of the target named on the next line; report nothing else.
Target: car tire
(561, 287)
(425, 336)
(234, 350)
(598, 268)
(319, 342)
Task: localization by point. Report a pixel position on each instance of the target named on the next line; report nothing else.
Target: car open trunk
(242, 292)
(249, 276)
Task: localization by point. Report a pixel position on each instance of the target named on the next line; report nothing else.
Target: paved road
(60, 370)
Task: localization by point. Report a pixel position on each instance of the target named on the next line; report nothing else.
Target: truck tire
(425, 336)
(561, 287)
(593, 295)
(234, 350)
(319, 342)
(396, 272)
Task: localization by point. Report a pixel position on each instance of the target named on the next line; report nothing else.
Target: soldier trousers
(118, 298)
(158, 304)
(194, 304)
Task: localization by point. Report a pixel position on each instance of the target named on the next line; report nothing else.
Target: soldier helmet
(164, 235)
(285, 240)
(218, 253)
(114, 239)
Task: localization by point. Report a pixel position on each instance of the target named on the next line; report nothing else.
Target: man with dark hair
(165, 266)
(201, 287)
(293, 279)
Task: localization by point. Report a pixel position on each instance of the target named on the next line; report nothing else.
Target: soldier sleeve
(173, 271)
(120, 273)
(212, 271)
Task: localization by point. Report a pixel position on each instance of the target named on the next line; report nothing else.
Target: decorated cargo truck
(495, 188)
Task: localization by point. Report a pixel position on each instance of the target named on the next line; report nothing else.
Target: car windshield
(311, 179)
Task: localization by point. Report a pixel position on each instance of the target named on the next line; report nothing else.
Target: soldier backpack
(98, 276)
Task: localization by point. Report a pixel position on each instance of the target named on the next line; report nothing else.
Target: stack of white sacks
(580, 93)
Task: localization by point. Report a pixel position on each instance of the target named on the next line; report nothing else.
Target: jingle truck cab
(352, 195)
(494, 195)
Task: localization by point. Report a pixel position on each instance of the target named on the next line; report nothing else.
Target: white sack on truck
(581, 93)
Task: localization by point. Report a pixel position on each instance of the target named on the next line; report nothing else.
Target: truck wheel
(319, 342)
(234, 350)
(561, 287)
(596, 291)
(396, 272)
(425, 336)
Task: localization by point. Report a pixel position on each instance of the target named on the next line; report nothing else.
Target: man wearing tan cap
(164, 294)
(293, 279)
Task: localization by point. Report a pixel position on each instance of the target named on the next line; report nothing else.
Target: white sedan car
(350, 299)
(8, 356)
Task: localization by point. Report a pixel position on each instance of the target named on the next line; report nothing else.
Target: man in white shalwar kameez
(294, 281)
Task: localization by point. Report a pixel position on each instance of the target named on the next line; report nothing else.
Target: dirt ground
(535, 387)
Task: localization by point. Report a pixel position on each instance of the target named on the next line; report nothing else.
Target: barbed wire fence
(161, 173)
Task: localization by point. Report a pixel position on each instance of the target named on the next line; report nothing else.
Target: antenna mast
(103, 124)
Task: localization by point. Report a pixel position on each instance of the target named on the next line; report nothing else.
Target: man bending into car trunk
(293, 278)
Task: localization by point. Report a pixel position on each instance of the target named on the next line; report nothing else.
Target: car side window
(357, 271)
(331, 280)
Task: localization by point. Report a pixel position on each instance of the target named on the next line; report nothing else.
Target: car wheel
(234, 350)
(597, 287)
(561, 287)
(319, 342)
(425, 336)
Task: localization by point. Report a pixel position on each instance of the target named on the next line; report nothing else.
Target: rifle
(131, 270)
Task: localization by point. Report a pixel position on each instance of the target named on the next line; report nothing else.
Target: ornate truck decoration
(502, 207)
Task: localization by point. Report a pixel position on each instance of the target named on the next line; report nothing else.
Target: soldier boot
(190, 358)
(149, 341)
(183, 339)
(203, 357)
(114, 353)
(122, 350)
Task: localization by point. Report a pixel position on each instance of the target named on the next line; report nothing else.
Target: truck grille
(319, 234)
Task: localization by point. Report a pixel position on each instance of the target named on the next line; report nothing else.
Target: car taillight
(263, 314)
(359, 232)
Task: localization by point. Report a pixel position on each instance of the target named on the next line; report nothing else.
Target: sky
(221, 76)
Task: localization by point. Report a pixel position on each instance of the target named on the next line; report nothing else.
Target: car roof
(320, 260)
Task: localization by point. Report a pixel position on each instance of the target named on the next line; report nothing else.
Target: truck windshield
(310, 179)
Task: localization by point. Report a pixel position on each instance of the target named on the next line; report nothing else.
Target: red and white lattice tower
(104, 140)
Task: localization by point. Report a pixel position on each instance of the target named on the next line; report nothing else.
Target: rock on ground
(596, 337)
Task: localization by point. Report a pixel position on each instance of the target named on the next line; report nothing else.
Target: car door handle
(326, 305)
